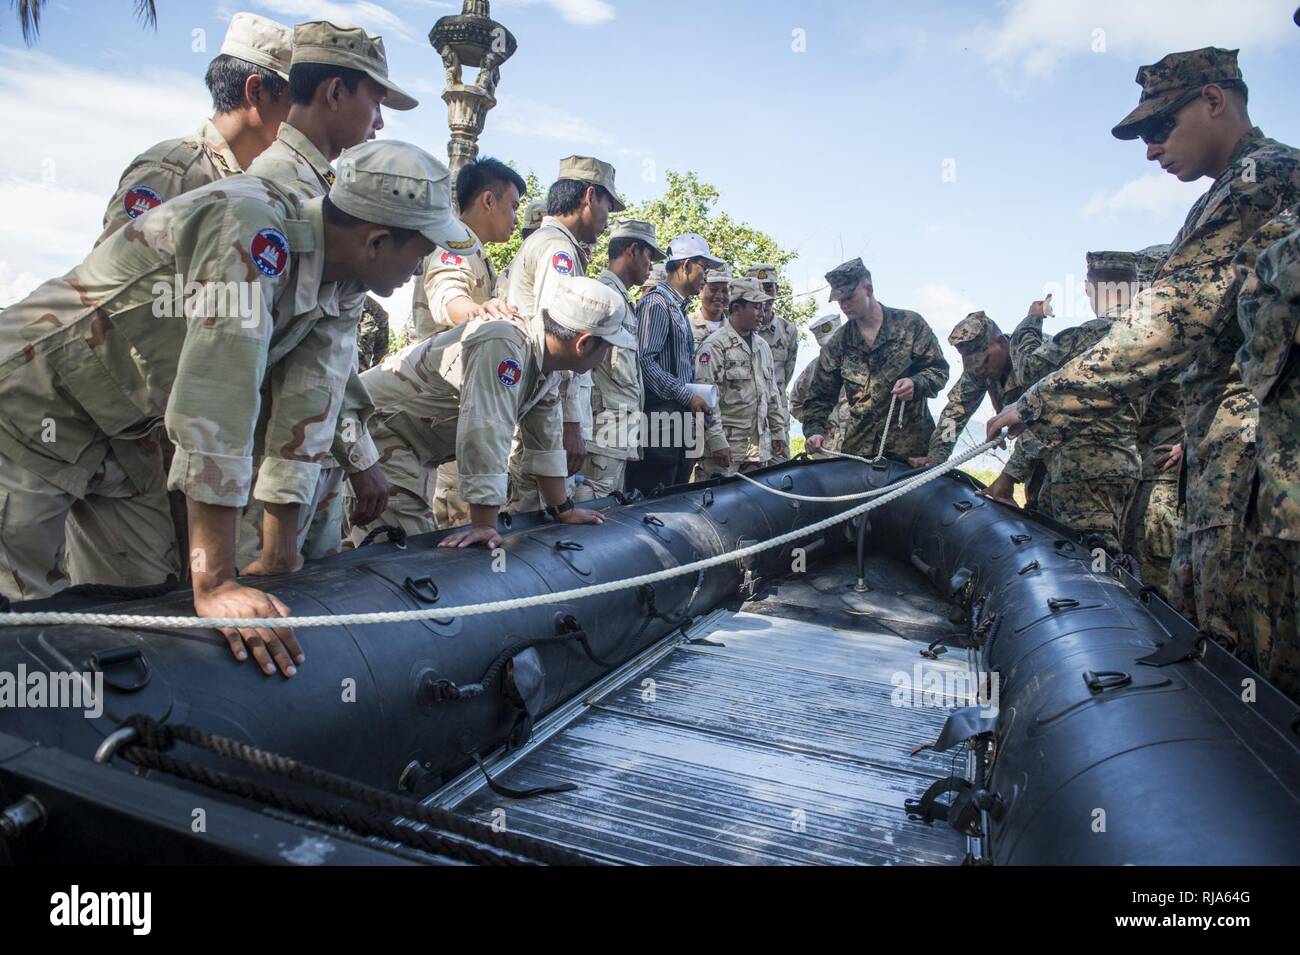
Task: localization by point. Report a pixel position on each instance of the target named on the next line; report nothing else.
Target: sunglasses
(1158, 129)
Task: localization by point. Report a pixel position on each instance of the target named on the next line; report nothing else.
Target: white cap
(690, 245)
(585, 305)
(259, 41)
(823, 328)
(397, 184)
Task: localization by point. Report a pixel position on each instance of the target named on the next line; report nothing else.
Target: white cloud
(1035, 36)
(535, 120)
(362, 13)
(579, 12)
(1159, 195)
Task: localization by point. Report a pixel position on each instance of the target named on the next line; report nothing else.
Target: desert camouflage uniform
(1269, 313)
(172, 167)
(1151, 526)
(1091, 476)
(448, 276)
(617, 397)
(296, 164)
(839, 418)
(702, 328)
(462, 395)
(782, 338)
(91, 364)
(905, 347)
(1184, 323)
(749, 415)
(551, 250)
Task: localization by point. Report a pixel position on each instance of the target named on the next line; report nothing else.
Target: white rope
(497, 606)
(884, 435)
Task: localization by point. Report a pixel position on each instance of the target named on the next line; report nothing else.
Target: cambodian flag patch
(451, 258)
(509, 372)
(704, 358)
(562, 262)
(270, 251)
(139, 200)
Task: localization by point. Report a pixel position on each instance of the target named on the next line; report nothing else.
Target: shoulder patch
(704, 358)
(509, 372)
(270, 251)
(562, 262)
(139, 200)
(451, 258)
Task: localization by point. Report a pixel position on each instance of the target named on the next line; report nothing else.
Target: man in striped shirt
(668, 364)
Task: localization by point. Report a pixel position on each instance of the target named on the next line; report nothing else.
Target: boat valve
(26, 815)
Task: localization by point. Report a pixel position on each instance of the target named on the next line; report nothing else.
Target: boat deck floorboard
(752, 739)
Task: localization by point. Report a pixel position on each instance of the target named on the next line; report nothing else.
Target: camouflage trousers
(1181, 583)
(1092, 507)
(320, 522)
(449, 508)
(602, 476)
(1218, 560)
(410, 487)
(707, 468)
(1272, 583)
(114, 534)
(1150, 529)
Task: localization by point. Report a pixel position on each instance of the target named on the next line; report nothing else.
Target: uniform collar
(550, 222)
(311, 263)
(615, 282)
(853, 331)
(1247, 144)
(305, 148)
(747, 344)
(218, 148)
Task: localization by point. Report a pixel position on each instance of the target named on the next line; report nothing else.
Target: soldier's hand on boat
(489, 537)
(1169, 457)
(814, 444)
(371, 490)
(580, 515)
(778, 450)
(1009, 418)
(1002, 490)
(926, 462)
(574, 447)
(722, 457)
(904, 388)
(270, 647)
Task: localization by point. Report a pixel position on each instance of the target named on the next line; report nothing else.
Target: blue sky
(829, 125)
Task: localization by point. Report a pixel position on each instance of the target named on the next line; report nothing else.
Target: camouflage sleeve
(215, 397)
(800, 393)
(447, 278)
(963, 401)
(353, 447)
(1268, 307)
(541, 434)
(823, 390)
(1027, 453)
(792, 349)
(776, 422)
(143, 185)
(929, 367)
(1158, 335)
(707, 361)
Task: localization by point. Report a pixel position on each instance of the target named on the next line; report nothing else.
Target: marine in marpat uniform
(464, 393)
(1269, 312)
(822, 329)
(337, 82)
(737, 360)
(249, 83)
(90, 376)
(884, 359)
(712, 311)
(578, 206)
(372, 335)
(782, 338)
(618, 393)
(1194, 119)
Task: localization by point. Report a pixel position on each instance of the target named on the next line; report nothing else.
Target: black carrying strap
(508, 792)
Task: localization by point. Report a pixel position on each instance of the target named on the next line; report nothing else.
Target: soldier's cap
(714, 276)
(824, 327)
(534, 213)
(764, 272)
(844, 278)
(642, 231)
(593, 171)
(397, 184)
(1164, 83)
(692, 245)
(585, 305)
(1150, 259)
(259, 41)
(747, 289)
(973, 334)
(319, 41)
(1125, 262)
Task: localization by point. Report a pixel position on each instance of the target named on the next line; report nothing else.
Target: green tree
(688, 205)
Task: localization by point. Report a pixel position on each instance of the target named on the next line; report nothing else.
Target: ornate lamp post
(470, 38)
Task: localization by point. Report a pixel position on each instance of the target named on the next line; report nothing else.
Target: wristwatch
(555, 510)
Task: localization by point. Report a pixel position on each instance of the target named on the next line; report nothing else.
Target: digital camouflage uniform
(372, 335)
(1151, 526)
(617, 397)
(1269, 313)
(448, 276)
(749, 414)
(92, 363)
(295, 163)
(1185, 324)
(839, 418)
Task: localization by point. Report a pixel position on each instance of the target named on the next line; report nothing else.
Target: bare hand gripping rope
(517, 603)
